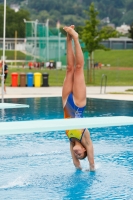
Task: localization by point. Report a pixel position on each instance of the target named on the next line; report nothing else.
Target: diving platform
(22, 127)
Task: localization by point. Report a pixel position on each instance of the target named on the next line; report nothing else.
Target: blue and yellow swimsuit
(73, 111)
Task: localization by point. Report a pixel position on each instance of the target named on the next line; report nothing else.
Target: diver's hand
(78, 167)
(88, 170)
(92, 168)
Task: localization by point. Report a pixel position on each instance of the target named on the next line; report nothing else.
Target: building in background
(118, 43)
(15, 7)
(12, 44)
(123, 29)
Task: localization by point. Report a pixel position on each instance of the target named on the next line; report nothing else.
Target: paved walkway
(92, 92)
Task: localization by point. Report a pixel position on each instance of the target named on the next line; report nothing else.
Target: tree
(131, 31)
(92, 36)
(14, 22)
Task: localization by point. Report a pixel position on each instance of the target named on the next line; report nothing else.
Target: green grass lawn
(115, 77)
(116, 58)
(10, 55)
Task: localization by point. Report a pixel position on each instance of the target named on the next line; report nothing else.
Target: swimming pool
(38, 166)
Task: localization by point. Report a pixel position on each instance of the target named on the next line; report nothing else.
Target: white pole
(4, 33)
(36, 22)
(59, 45)
(35, 29)
(34, 26)
(47, 36)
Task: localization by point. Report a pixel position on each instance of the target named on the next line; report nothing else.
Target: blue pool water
(38, 166)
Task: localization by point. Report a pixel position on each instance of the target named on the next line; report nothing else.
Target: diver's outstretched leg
(79, 87)
(68, 81)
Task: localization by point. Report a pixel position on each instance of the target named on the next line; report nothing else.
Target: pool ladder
(103, 78)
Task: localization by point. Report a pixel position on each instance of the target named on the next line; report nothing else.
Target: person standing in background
(5, 73)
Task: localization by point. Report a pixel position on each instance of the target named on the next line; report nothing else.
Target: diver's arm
(87, 142)
(90, 155)
(76, 162)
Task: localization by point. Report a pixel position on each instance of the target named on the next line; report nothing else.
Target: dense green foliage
(14, 22)
(91, 35)
(72, 11)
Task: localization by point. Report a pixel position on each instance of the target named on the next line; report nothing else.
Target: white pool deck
(92, 92)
